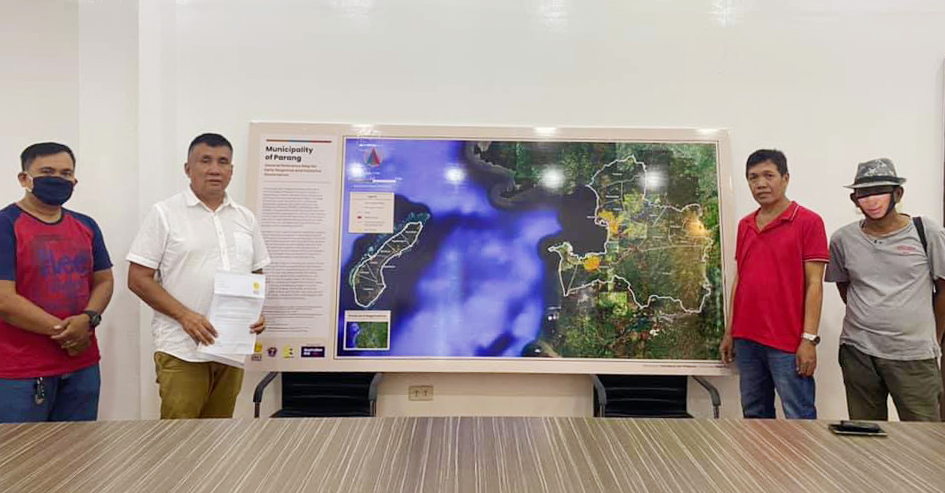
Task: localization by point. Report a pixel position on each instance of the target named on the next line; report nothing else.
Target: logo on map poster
(372, 159)
(288, 352)
(257, 357)
(272, 351)
(313, 351)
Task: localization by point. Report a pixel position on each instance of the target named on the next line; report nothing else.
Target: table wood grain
(467, 454)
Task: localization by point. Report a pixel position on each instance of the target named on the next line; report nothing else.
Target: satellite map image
(535, 249)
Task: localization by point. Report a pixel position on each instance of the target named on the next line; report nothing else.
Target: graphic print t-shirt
(51, 265)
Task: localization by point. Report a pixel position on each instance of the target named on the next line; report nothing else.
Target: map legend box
(371, 212)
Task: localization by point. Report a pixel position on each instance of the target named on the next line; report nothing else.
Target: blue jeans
(765, 369)
(69, 397)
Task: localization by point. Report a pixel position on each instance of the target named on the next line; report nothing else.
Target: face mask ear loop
(892, 204)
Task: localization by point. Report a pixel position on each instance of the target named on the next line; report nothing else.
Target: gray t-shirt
(889, 301)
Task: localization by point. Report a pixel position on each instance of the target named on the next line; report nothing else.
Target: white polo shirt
(187, 243)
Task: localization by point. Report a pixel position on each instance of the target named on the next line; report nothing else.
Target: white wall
(108, 142)
(487, 394)
(39, 80)
(831, 82)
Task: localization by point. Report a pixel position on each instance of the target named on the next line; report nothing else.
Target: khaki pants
(915, 386)
(196, 390)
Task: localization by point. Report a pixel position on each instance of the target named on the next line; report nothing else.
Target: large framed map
(510, 249)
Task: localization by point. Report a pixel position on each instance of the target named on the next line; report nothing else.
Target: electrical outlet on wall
(420, 393)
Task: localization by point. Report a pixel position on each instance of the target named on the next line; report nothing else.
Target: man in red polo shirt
(781, 253)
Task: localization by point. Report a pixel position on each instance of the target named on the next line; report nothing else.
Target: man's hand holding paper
(236, 314)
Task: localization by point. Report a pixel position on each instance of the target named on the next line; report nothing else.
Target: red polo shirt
(769, 300)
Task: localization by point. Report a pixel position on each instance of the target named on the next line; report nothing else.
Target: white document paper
(237, 304)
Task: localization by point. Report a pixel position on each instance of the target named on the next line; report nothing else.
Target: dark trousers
(915, 386)
(942, 400)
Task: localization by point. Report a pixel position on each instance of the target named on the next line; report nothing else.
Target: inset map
(367, 335)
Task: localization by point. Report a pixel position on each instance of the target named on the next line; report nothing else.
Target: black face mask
(52, 190)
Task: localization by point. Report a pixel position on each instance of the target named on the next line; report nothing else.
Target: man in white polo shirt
(180, 247)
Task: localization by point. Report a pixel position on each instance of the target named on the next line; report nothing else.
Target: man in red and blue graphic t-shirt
(55, 282)
(781, 252)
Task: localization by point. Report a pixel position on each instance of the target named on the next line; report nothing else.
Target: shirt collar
(190, 198)
(787, 216)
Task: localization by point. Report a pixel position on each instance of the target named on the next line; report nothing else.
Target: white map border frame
(727, 223)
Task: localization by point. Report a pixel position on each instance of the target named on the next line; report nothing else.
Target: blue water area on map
(475, 283)
(351, 337)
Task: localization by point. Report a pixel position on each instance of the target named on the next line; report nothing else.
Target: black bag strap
(921, 230)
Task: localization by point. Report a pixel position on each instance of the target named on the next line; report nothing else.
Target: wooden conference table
(392, 455)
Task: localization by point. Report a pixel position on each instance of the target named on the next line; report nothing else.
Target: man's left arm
(103, 285)
(74, 332)
(935, 251)
(813, 303)
(939, 307)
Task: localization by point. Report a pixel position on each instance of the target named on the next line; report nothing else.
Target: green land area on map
(374, 335)
(651, 288)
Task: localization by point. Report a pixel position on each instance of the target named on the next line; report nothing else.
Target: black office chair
(323, 394)
(647, 396)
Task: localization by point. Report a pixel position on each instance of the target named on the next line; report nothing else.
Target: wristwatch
(813, 338)
(95, 318)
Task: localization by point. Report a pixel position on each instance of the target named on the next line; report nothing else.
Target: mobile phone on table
(857, 428)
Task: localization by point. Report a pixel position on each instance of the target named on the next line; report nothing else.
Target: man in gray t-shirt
(891, 332)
